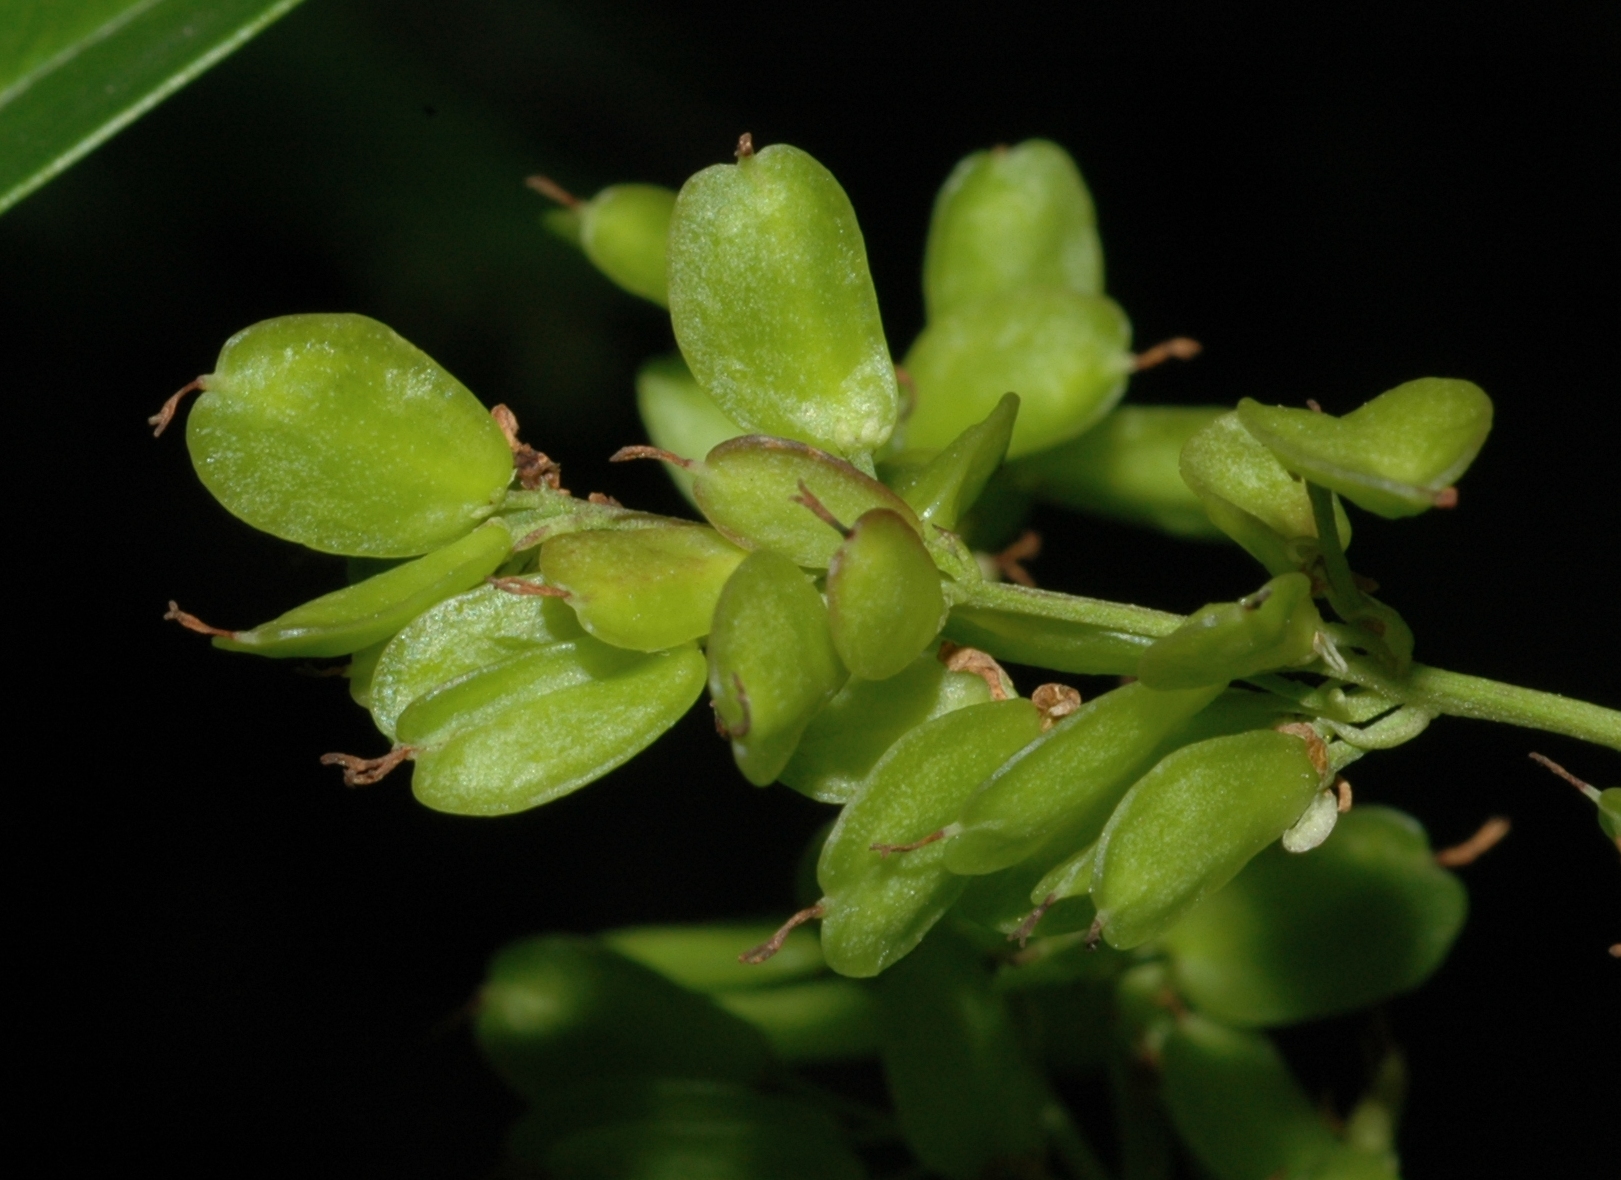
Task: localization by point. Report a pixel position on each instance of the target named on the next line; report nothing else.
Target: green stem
(1439, 691)
(1431, 689)
(1070, 608)
(1342, 588)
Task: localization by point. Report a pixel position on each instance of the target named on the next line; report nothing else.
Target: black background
(236, 965)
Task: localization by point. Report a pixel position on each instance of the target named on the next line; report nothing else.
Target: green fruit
(624, 231)
(1067, 356)
(557, 1009)
(879, 906)
(543, 741)
(1273, 628)
(1366, 916)
(1126, 468)
(704, 958)
(1236, 1106)
(773, 305)
(369, 612)
(771, 662)
(666, 1129)
(1059, 644)
(805, 1023)
(332, 431)
(679, 416)
(1067, 783)
(1191, 823)
(753, 490)
(459, 636)
(853, 730)
(884, 600)
(1397, 455)
(645, 589)
(1250, 496)
(1009, 219)
(968, 1100)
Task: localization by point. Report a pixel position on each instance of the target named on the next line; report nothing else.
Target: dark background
(237, 965)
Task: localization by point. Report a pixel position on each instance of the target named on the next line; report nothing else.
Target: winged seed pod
(773, 305)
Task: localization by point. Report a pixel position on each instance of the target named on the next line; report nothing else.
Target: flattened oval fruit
(1007, 219)
(333, 431)
(749, 488)
(773, 305)
(1294, 937)
(461, 635)
(645, 589)
(539, 748)
(1396, 455)
(370, 611)
(1067, 356)
(771, 662)
(1191, 823)
(884, 600)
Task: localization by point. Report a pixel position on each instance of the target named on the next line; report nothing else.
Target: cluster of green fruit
(516, 642)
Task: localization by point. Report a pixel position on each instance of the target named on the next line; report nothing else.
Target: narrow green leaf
(74, 72)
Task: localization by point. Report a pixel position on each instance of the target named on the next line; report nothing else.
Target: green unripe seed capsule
(1609, 812)
(645, 589)
(884, 600)
(1069, 781)
(704, 957)
(773, 305)
(1249, 495)
(771, 662)
(1273, 628)
(679, 1129)
(816, 1021)
(845, 740)
(752, 490)
(368, 612)
(556, 1009)
(625, 231)
(1236, 1106)
(1067, 356)
(679, 416)
(537, 745)
(459, 636)
(332, 431)
(468, 701)
(1367, 916)
(942, 488)
(1008, 219)
(1127, 467)
(879, 905)
(965, 1094)
(1190, 824)
(1397, 455)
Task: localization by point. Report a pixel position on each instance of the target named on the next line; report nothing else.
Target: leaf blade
(71, 83)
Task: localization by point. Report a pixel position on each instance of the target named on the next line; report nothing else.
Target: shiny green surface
(1394, 455)
(1366, 916)
(1067, 356)
(333, 431)
(645, 589)
(773, 305)
(771, 662)
(1008, 219)
(369, 612)
(1191, 823)
(884, 600)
